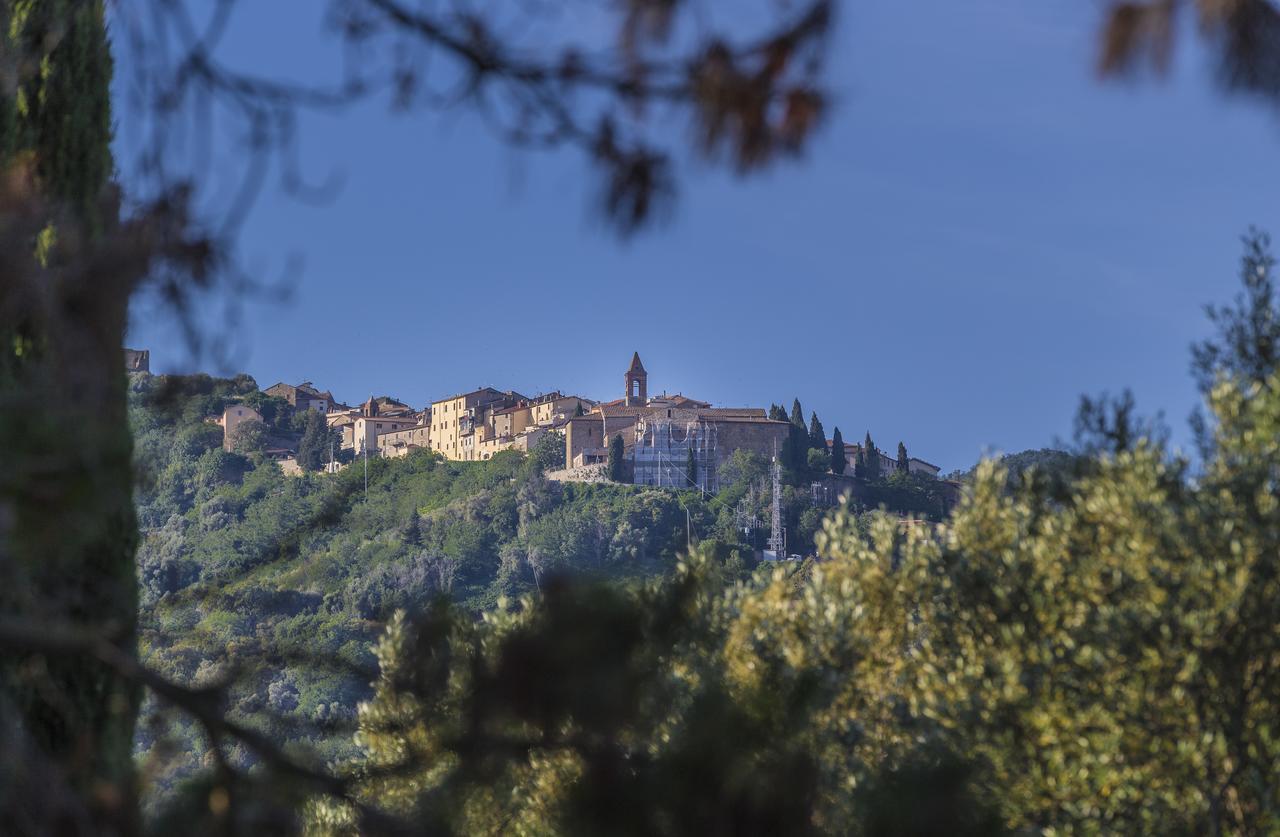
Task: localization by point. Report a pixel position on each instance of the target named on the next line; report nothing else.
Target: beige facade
(232, 417)
(397, 443)
(520, 426)
(555, 409)
(366, 430)
(919, 466)
(461, 426)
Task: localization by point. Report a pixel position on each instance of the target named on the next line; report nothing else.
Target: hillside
(249, 572)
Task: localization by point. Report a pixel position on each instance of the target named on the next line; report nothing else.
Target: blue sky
(982, 232)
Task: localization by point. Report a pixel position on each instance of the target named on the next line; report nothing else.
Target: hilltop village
(666, 440)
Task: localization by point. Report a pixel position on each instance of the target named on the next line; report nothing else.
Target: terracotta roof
(739, 419)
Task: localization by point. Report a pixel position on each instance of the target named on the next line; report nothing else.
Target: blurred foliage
(1103, 662)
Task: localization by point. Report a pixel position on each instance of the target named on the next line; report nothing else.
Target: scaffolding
(662, 451)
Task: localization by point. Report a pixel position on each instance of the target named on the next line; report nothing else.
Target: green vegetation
(1099, 663)
(817, 436)
(870, 459)
(316, 443)
(617, 467)
(838, 462)
(243, 569)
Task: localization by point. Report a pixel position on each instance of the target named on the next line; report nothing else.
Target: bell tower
(637, 383)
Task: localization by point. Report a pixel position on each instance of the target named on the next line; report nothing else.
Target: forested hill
(241, 567)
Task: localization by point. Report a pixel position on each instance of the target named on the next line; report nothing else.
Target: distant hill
(1048, 461)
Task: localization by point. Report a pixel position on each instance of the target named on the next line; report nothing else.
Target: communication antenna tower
(778, 535)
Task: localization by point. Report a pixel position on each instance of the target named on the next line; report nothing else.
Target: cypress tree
(860, 464)
(616, 471)
(311, 449)
(872, 457)
(777, 413)
(817, 436)
(413, 530)
(72, 556)
(691, 468)
(904, 464)
(61, 110)
(797, 414)
(838, 461)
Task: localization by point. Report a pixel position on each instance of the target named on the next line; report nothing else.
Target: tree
(860, 464)
(691, 467)
(776, 413)
(872, 458)
(313, 449)
(904, 464)
(413, 529)
(752, 94)
(818, 460)
(1138, 35)
(817, 436)
(838, 461)
(249, 438)
(795, 448)
(548, 453)
(617, 464)
(1246, 346)
(68, 266)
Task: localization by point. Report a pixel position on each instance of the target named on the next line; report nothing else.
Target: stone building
(387, 413)
(459, 424)
(371, 423)
(658, 433)
(396, 443)
(303, 396)
(137, 360)
(888, 464)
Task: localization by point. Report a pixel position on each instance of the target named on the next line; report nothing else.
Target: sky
(981, 232)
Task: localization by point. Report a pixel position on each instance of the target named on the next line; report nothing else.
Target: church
(658, 432)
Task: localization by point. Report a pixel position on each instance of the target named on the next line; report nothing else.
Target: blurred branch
(757, 97)
(1243, 35)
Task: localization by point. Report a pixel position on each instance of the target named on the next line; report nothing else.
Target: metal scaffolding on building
(662, 453)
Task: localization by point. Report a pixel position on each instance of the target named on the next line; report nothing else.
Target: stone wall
(586, 473)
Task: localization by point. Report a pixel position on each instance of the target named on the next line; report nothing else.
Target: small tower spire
(637, 380)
